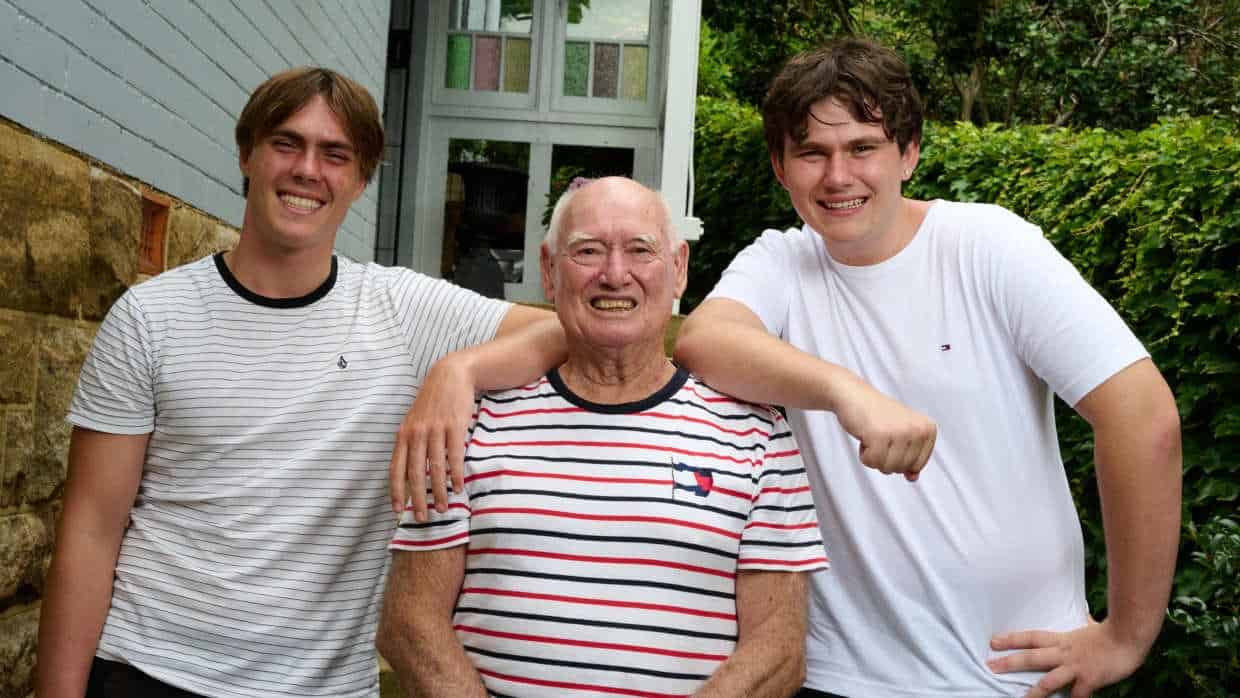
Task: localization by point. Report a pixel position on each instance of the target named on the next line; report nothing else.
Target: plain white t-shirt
(976, 323)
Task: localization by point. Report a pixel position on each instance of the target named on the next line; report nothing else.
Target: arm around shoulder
(728, 346)
(104, 473)
(415, 629)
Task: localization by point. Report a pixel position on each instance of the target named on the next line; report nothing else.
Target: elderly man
(623, 528)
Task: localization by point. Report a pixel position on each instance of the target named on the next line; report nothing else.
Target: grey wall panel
(154, 88)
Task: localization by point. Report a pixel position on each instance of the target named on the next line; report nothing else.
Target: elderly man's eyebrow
(578, 237)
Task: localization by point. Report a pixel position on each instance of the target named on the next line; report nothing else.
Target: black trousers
(811, 693)
(117, 680)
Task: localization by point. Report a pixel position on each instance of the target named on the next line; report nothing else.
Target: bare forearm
(755, 365)
(765, 667)
(415, 629)
(1139, 479)
(75, 605)
(429, 660)
(104, 471)
(529, 343)
(769, 658)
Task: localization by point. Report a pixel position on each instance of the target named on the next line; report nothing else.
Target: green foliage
(1207, 607)
(1152, 219)
(1108, 63)
(735, 194)
(760, 36)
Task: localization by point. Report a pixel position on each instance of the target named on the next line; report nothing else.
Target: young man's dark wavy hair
(286, 92)
(867, 78)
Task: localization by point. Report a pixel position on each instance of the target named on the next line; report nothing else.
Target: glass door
(491, 190)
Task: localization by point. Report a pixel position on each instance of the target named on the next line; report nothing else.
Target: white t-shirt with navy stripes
(605, 540)
(256, 550)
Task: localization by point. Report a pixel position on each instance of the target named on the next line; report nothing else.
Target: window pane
(606, 69)
(624, 20)
(491, 15)
(484, 217)
(517, 65)
(576, 68)
(486, 63)
(635, 72)
(459, 48)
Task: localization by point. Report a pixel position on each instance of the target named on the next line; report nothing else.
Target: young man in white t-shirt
(225, 515)
(885, 319)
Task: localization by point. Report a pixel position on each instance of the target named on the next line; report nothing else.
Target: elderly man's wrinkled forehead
(610, 194)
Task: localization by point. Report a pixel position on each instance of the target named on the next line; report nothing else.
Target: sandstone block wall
(69, 238)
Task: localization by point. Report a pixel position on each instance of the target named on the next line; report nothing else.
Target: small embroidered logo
(342, 363)
(686, 478)
(945, 347)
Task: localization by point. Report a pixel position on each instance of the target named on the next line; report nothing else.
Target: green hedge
(1152, 219)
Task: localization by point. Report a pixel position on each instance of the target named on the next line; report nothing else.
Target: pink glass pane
(486, 63)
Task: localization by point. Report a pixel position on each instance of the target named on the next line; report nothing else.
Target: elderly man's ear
(681, 262)
(546, 260)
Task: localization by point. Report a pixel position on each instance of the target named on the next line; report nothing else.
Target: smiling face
(614, 274)
(303, 177)
(844, 180)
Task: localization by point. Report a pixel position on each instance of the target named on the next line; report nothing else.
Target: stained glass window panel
(459, 49)
(486, 63)
(517, 65)
(634, 72)
(576, 68)
(606, 69)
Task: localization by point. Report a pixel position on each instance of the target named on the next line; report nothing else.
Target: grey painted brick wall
(153, 87)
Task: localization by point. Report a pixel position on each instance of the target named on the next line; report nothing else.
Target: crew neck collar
(257, 299)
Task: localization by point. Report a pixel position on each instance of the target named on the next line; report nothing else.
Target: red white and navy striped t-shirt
(604, 540)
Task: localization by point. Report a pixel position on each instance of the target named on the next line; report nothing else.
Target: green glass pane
(576, 68)
(517, 65)
(459, 49)
(634, 73)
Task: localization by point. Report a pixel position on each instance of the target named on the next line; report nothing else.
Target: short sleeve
(445, 530)
(760, 279)
(1064, 330)
(115, 389)
(438, 317)
(782, 533)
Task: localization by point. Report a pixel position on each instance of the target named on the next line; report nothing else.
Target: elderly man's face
(614, 276)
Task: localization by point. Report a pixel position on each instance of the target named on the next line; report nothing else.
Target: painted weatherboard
(153, 89)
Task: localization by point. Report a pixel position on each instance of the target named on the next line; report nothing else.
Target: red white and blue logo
(690, 480)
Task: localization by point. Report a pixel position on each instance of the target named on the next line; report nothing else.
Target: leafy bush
(1152, 220)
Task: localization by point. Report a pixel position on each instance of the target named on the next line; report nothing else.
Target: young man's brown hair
(286, 92)
(867, 78)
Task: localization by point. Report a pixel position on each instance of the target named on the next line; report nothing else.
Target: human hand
(894, 438)
(431, 439)
(1088, 658)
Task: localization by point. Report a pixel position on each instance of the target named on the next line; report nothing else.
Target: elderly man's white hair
(552, 239)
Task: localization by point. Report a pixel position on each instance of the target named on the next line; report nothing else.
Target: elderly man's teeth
(853, 203)
(613, 304)
(300, 202)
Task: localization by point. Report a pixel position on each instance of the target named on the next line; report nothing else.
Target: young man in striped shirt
(623, 528)
(225, 515)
